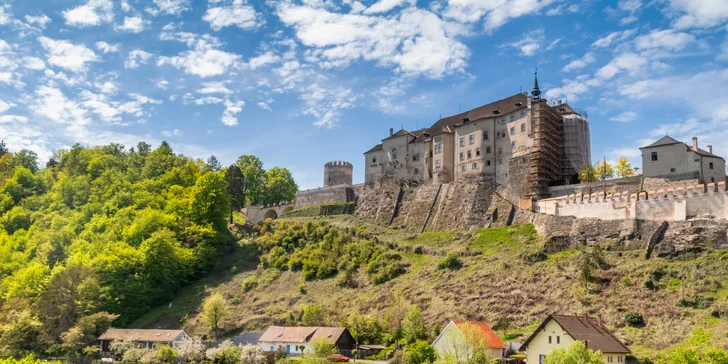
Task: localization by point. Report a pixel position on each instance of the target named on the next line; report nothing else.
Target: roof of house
(595, 335)
(376, 148)
(300, 334)
(142, 335)
(493, 341)
(503, 106)
(668, 140)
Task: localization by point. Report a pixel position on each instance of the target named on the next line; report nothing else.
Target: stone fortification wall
(325, 195)
(338, 173)
(377, 204)
(673, 204)
(627, 184)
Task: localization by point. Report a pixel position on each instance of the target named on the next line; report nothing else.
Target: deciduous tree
(624, 167)
(279, 185)
(236, 188)
(214, 309)
(26, 158)
(603, 170)
(254, 174)
(576, 353)
(414, 325)
(587, 174)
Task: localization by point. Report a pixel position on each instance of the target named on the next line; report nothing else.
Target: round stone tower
(338, 173)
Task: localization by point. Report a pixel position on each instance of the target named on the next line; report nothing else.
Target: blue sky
(302, 82)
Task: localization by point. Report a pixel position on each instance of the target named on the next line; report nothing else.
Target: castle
(517, 139)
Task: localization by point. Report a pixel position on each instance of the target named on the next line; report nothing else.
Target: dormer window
(466, 120)
(496, 112)
(518, 104)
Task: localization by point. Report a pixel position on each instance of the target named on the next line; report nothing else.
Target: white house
(668, 157)
(560, 331)
(456, 339)
(143, 338)
(296, 340)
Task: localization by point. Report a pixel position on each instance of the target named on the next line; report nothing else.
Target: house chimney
(576, 314)
(391, 131)
(599, 320)
(710, 149)
(695, 143)
(586, 316)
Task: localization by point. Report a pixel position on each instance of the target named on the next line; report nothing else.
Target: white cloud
(530, 42)
(125, 6)
(700, 13)
(106, 87)
(561, 9)
(4, 106)
(611, 38)
(33, 63)
(625, 117)
(263, 59)
(94, 12)
(496, 12)
(137, 57)
(13, 119)
(107, 48)
(667, 39)
(214, 88)
(232, 108)
(580, 63)
(65, 54)
(723, 56)
(207, 100)
(238, 14)
(41, 20)
(4, 17)
(326, 103)
(162, 84)
(170, 7)
(265, 105)
(416, 41)
(204, 60)
(383, 6)
(54, 105)
(133, 24)
(171, 133)
(629, 62)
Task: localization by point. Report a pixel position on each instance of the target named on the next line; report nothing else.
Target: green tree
(323, 347)
(254, 174)
(624, 167)
(27, 159)
(213, 164)
(684, 354)
(603, 170)
(214, 309)
(279, 186)
(419, 352)
(576, 353)
(20, 334)
(73, 292)
(587, 174)
(85, 332)
(236, 188)
(313, 315)
(166, 354)
(209, 201)
(414, 325)
(3, 149)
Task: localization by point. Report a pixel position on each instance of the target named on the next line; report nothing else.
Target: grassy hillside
(504, 277)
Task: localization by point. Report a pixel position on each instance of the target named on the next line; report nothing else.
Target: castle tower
(338, 173)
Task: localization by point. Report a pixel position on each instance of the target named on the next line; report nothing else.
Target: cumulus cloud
(415, 41)
(496, 12)
(383, 6)
(580, 63)
(629, 62)
(327, 103)
(133, 24)
(625, 117)
(612, 38)
(13, 119)
(108, 48)
(667, 39)
(204, 60)
(33, 63)
(699, 13)
(94, 12)
(237, 14)
(64, 54)
(40, 20)
(232, 108)
(169, 7)
(137, 57)
(53, 104)
(214, 88)
(529, 43)
(263, 59)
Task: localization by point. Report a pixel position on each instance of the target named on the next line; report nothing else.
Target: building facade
(296, 341)
(142, 338)
(670, 158)
(481, 144)
(459, 337)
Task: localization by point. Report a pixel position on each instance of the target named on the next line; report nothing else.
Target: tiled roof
(376, 148)
(299, 334)
(142, 335)
(493, 341)
(588, 330)
(504, 106)
(666, 140)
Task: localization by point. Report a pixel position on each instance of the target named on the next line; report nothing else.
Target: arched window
(394, 153)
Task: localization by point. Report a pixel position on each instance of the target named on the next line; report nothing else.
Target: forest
(100, 235)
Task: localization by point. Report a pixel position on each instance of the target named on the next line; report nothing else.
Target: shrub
(674, 282)
(419, 352)
(250, 283)
(302, 288)
(634, 319)
(323, 347)
(649, 284)
(450, 262)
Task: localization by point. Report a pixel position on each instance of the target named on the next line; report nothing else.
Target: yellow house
(458, 338)
(560, 331)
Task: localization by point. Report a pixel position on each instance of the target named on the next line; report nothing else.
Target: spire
(536, 93)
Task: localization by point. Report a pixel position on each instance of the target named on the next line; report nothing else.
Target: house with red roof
(459, 338)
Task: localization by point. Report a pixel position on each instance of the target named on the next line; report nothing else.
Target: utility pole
(604, 176)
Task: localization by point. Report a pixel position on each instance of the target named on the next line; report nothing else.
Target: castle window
(500, 161)
(470, 155)
(374, 159)
(654, 156)
(415, 157)
(417, 171)
(462, 142)
(523, 113)
(513, 117)
(711, 165)
(673, 170)
(513, 131)
(523, 127)
(558, 339)
(513, 145)
(437, 164)
(487, 163)
(475, 166)
(497, 135)
(477, 152)
(462, 156)
(462, 168)
(487, 150)
(471, 139)
(500, 151)
(438, 148)
(394, 153)
(485, 135)
(503, 121)
(549, 339)
(712, 179)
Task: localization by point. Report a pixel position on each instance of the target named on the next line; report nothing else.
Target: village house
(560, 331)
(142, 338)
(458, 336)
(673, 159)
(296, 340)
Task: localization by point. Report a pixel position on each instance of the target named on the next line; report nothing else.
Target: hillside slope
(504, 275)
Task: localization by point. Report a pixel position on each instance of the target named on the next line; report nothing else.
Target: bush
(250, 283)
(419, 352)
(634, 319)
(450, 262)
(302, 288)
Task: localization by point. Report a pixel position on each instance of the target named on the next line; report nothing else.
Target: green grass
(512, 239)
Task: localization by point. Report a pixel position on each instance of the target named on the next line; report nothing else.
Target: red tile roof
(494, 342)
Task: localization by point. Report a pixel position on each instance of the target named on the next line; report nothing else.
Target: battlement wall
(325, 195)
(338, 173)
(672, 204)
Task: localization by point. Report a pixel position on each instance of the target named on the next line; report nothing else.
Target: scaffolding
(547, 160)
(577, 147)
